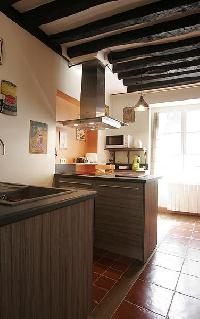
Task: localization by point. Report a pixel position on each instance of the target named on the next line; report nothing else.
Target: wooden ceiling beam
(6, 3)
(15, 16)
(173, 67)
(155, 50)
(158, 31)
(160, 76)
(58, 9)
(162, 84)
(148, 13)
(154, 61)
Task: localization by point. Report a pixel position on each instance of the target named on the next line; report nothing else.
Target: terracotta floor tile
(173, 249)
(95, 276)
(150, 296)
(196, 235)
(98, 293)
(113, 256)
(105, 283)
(119, 266)
(99, 269)
(93, 305)
(193, 254)
(189, 285)
(181, 233)
(194, 244)
(191, 267)
(129, 311)
(167, 261)
(125, 260)
(176, 240)
(184, 307)
(106, 261)
(113, 274)
(160, 276)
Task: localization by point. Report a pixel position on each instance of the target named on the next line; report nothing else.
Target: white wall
(38, 72)
(141, 129)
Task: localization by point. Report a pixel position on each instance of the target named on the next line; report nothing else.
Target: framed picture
(128, 115)
(38, 138)
(80, 134)
(8, 98)
(62, 140)
(1, 51)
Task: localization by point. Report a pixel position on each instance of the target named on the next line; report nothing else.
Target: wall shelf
(128, 150)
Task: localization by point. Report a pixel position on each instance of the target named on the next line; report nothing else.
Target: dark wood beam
(15, 16)
(148, 62)
(160, 76)
(159, 31)
(58, 9)
(148, 13)
(166, 84)
(173, 67)
(155, 50)
(6, 3)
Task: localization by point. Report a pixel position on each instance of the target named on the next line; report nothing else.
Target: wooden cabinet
(46, 265)
(125, 215)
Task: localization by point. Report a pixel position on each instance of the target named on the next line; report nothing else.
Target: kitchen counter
(15, 213)
(125, 211)
(46, 256)
(111, 177)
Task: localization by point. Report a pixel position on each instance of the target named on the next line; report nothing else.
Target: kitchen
(40, 85)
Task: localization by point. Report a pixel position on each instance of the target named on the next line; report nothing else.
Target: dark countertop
(15, 213)
(111, 177)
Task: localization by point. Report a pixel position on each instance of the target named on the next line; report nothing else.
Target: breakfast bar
(125, 211)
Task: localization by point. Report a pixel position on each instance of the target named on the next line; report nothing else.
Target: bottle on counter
(136, 163)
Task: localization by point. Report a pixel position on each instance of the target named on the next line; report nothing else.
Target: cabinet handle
(119, 187)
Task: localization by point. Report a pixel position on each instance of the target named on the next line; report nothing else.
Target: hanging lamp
(141, 105)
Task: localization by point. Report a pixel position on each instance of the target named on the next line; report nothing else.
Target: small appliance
(118, 141)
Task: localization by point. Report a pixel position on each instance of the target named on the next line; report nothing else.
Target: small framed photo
(80, 134)
(62, 140)
(128, 115)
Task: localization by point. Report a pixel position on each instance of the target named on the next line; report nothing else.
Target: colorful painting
(80, 134)
(1, 51)
(128, 115)
(8, 98)
(38, 138)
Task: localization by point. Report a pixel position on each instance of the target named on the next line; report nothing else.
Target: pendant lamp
(141, 105)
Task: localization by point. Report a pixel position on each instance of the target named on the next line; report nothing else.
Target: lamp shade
(141, 105)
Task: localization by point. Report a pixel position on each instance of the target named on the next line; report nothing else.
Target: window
(178, 145)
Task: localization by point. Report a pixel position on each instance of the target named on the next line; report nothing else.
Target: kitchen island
(46, 256)
(125, 211)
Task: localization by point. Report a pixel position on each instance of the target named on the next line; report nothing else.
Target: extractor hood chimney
(92, 100)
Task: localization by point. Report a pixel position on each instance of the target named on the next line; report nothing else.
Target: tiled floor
(108, 269)
(169, 286)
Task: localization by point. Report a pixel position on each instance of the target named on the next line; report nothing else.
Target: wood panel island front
(125, 212)
(46, 256)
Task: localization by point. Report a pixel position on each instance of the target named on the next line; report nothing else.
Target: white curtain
(176, 145)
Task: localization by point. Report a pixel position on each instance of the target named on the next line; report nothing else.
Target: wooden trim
(68, 98)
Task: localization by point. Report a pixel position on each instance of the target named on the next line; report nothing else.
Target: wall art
(128, 115)
(80, 134)
(8, 98)
(1, 51)
(38, 138)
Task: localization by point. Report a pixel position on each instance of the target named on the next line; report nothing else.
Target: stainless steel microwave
(118, 141)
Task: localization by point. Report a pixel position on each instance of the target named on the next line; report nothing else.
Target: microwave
(118, 141)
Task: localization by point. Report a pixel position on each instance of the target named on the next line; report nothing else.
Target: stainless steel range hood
(92, 100)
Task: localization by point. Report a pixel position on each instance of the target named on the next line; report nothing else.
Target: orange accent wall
(91, 141)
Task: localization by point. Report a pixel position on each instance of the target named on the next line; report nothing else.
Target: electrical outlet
(63, 161)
